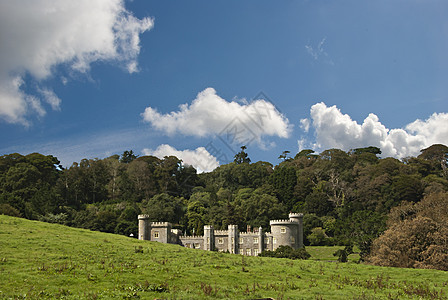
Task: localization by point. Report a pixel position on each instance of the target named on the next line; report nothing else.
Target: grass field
(325, 253)
(47, 261)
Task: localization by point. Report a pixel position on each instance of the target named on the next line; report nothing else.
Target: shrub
(286, 252)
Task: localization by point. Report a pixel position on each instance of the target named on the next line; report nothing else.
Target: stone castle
(283, 232)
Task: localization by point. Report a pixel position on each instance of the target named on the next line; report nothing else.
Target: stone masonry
(252, 242)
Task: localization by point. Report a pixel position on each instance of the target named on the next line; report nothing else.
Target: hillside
(41, 260)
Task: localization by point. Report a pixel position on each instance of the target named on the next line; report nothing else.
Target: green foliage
(284, 179)
(128, 156)
(241, 157)
(286, 252)
(317, 237)
(343, 254)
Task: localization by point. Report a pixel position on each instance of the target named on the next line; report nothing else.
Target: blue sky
(86, 79)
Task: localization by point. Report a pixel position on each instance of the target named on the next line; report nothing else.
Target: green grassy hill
(40, 260)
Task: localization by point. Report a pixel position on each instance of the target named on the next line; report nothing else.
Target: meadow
(48, 261)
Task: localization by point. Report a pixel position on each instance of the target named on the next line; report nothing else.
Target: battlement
(143, 217)
(249, 233)
(282, 222)
(160, 224)
(221, 232)
(295, 215)
(198, 237)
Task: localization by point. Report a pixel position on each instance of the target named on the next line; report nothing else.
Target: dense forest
(394, 211)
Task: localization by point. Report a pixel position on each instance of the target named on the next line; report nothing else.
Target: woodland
(394, 211)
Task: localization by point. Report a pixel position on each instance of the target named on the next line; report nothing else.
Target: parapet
(198, 237)
(143, 217)
(295, 215)
(248, 233)
(221, 232)
(160, 224)
(282, 222)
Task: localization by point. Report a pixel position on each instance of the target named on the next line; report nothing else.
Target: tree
(361, 228)
(307, 153)
(438, 155)
(241, 157)
(128, 156)
(284, 155)
(284, 180)
(416, 235)
(164, 207)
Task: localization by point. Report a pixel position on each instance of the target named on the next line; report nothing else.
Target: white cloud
(38, 35)
(210, 114)
(51, 98)
(336, 130)
(305, 124)
(199, 158)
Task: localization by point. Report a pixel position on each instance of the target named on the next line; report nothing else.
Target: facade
(252, 242)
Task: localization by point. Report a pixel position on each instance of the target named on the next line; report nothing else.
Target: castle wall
(196, 242)
(283, 232)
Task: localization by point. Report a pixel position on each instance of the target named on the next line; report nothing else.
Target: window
(220, 241)
(255, 240)
(255, 252)
(283, 230)
(233, 241)
(208, 240)
(274, 240)
(188, 245)
(293, 240)
(248, 251)
(242, 251)
(267, 241)
(197, 246)
(156, 234)
(241, 240)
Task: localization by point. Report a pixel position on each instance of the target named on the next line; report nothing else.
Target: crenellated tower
(144, 228)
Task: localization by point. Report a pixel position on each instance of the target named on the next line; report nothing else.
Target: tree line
(348, 198)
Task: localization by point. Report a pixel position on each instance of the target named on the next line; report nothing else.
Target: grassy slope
(40, 260)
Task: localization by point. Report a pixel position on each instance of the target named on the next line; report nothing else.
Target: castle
(283, 232)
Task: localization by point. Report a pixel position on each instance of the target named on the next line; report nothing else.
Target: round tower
(298, 217)
(144, 230)
(284, 232)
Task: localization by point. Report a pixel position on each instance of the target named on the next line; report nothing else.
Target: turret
(233, 238)
(144, 228)
(260, 240)
(288, 232)
(298, 217)
(209, 237)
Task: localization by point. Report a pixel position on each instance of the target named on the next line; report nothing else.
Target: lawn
(48, 261)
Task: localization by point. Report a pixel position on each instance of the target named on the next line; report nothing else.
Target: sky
(199, 79)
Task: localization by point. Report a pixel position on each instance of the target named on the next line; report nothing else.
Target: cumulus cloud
(209, 114)
(38, 35)
(199, 158)
(333, 129)
(305, 124)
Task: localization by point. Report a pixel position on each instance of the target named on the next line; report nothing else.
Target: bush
(286, 252)
(8, 210)
(318, 237)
